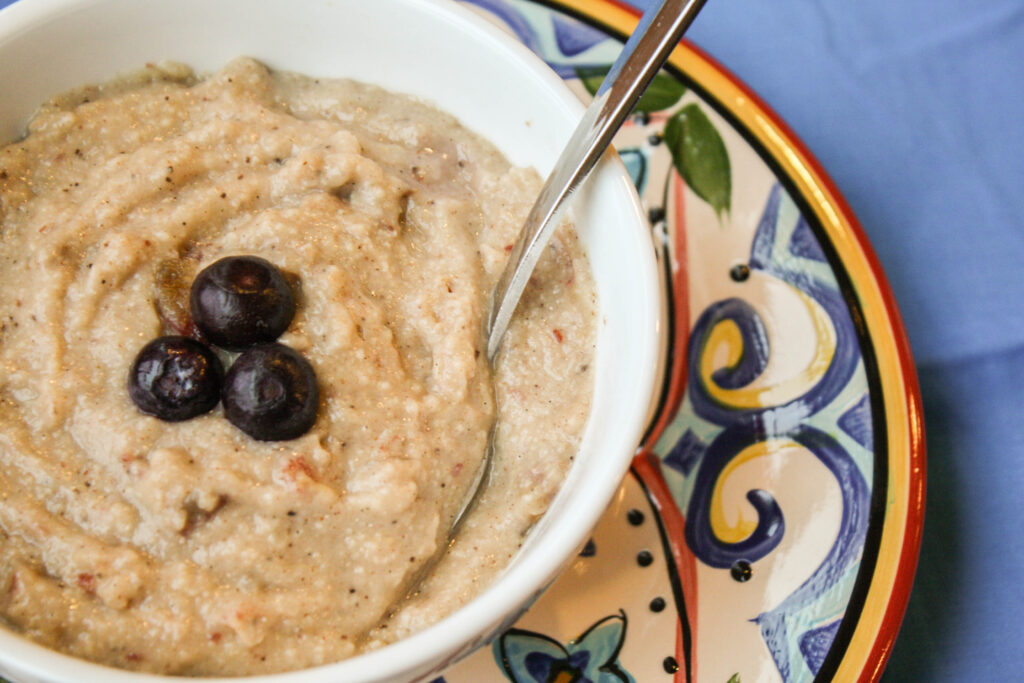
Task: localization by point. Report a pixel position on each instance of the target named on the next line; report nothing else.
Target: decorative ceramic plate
(770, 525)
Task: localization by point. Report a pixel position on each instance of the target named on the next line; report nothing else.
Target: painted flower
(530, 657)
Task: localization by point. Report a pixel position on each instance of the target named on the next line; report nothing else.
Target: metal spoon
(657, 34)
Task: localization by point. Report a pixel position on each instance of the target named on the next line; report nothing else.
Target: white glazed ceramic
(449, 55)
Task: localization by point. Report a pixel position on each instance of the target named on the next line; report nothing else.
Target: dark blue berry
(270, 393)
(241, 301)
(175, 378)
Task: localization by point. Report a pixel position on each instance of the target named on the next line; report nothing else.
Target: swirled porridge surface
(190, 548)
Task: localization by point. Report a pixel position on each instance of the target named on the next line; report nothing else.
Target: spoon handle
(657, 34)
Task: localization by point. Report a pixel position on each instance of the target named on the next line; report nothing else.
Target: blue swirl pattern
(700, 535)
(764, 257)
(844, 554)
(743, 427)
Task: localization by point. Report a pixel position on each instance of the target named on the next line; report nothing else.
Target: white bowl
(450, 55)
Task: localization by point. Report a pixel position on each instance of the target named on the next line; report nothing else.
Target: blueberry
(270, 393)
(240, 301)
(175, 378)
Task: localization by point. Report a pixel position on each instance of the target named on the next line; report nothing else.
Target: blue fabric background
(916, 109)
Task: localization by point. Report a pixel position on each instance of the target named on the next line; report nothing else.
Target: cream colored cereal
(189, 548)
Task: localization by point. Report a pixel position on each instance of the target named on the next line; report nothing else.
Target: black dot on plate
(644, 558)
(654, 139)
(635, 517)
(589, 550)
(657, 604)
(656, 214)
(741, 571)
(671, 665)
(740, 272)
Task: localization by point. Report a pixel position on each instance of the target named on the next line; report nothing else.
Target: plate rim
(885, 601)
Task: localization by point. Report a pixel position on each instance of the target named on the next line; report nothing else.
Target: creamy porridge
(189, 547)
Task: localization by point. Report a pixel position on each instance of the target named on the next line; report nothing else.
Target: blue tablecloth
(916, 109)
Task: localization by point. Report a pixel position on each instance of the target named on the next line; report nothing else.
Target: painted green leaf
(663, 92)
(699, 155)
(735, 678)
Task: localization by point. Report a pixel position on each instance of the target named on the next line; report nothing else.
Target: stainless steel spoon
(657, 34)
